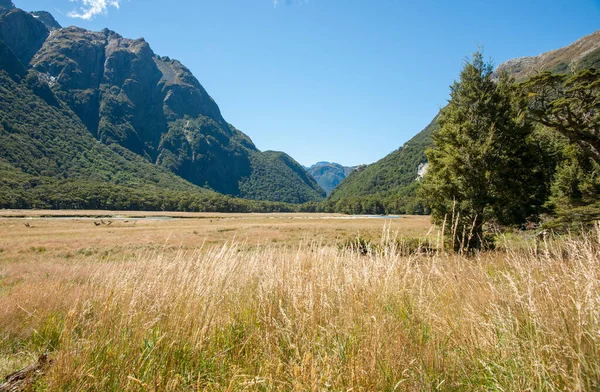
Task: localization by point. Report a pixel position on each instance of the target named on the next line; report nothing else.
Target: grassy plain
(272, 302)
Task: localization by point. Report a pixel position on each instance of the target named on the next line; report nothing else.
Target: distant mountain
(128, 97)
(391, 182)
(329, 175)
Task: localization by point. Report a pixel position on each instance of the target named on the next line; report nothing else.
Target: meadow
(266, 302)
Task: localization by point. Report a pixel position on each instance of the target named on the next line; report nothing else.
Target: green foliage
(575, 189)
(206, 153)
(10, 63)
(404, 200)
(568, 108)
(48, 193)
(391, 175)
(276, 175)
(590, 60)
(560, 68)
(577, 180)
(482, 166)
(569, 105)
(398, 169)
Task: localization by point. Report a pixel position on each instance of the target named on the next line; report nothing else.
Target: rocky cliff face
(23, 33)
(127, 95)
(151, 105)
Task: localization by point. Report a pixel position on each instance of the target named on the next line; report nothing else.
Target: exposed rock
(47, 19)
(23, 34)
(583, 53)
(422, 169)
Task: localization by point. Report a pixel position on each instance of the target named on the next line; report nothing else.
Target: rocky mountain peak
(47, 19)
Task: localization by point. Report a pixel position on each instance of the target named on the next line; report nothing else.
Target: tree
(482, 167)
(570, 105)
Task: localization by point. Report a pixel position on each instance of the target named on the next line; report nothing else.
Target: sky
(332, 80)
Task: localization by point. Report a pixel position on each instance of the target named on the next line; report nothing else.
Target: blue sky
(344, 81)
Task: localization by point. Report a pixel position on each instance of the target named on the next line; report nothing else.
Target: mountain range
(98, 91)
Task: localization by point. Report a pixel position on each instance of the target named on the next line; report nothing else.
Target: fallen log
(24, 379)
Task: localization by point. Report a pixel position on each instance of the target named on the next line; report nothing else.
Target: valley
(147, 244)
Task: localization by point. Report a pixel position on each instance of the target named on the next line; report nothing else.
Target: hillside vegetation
(388, 185)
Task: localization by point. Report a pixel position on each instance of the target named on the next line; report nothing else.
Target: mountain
(128, 97)
(22, 33)
(581, 54)
(329, 175)
(49, 159)
(389, 185)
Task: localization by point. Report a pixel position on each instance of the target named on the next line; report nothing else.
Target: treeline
(504, 153)
(403, 201)
(76, 194)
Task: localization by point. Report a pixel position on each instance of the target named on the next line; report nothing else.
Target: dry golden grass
(69, 238)
(302, 315)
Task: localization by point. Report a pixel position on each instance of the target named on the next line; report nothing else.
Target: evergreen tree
(567, 108)
(482, 166)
